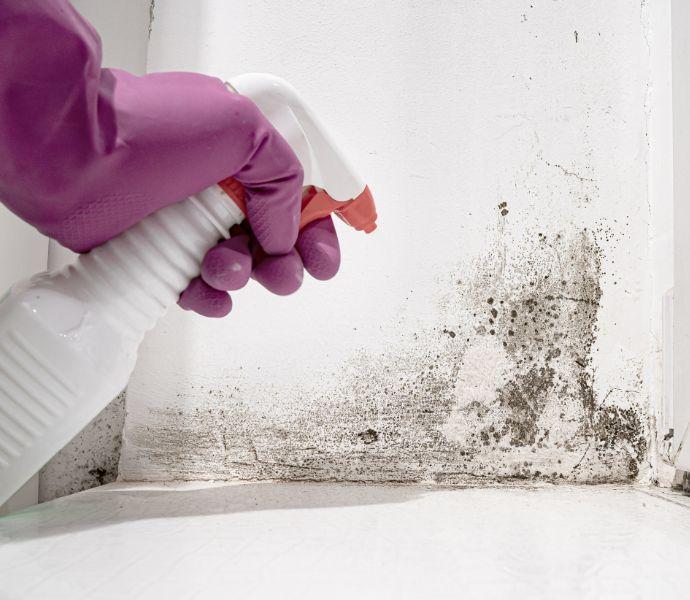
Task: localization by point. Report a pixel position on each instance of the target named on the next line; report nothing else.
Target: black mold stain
(547, 325)
(90, 459)
(525, 398)
(369, 436)
(101, 475)
(533, 305)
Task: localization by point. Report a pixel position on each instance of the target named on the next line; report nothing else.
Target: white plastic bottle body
(69, 340)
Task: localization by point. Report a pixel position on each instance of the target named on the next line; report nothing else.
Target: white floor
(270, 540)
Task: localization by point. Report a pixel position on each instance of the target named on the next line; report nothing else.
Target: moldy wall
(497, 325)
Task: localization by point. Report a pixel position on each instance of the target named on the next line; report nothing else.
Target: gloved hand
(229, 265)
(87, 152)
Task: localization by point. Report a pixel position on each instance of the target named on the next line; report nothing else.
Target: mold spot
(369, 436)
(90, 459)
(100, 475)
(525, 398)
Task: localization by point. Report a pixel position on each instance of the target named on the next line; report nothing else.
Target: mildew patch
(525, 399)
(538, 300)
(90, 459)
(502, 388)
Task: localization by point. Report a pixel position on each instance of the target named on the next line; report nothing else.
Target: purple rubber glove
(86, 152)
(229, 265)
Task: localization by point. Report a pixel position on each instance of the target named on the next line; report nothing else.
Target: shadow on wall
(109, 505)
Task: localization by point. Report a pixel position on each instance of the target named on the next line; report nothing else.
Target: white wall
(507, 150)
(23, 250)
(660, 168)
(681, 193)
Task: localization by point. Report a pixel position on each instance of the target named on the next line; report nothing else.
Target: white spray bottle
(69, 339)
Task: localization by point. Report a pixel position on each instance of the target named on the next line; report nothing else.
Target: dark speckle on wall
(90, 459)
(369, 436)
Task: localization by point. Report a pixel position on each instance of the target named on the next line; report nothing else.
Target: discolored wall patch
(502, 388)
(538, 304)
(90, 459)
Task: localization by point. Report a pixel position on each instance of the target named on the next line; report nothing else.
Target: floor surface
(306, 540)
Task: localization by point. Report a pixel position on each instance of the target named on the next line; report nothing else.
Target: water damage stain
(502, 388)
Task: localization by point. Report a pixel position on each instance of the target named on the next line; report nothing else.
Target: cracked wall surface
(496, 326)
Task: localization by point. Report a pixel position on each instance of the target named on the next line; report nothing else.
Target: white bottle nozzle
(325, 166)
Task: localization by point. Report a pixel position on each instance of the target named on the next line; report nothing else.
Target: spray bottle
(69, 339)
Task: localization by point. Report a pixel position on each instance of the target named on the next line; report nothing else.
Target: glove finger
(228, 265)
(282, 275)
(319, 248)
(205, 300)
(272, 177)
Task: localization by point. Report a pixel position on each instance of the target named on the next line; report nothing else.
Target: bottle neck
(137, 275)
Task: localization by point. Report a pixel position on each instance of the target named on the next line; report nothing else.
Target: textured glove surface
(87, 152)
